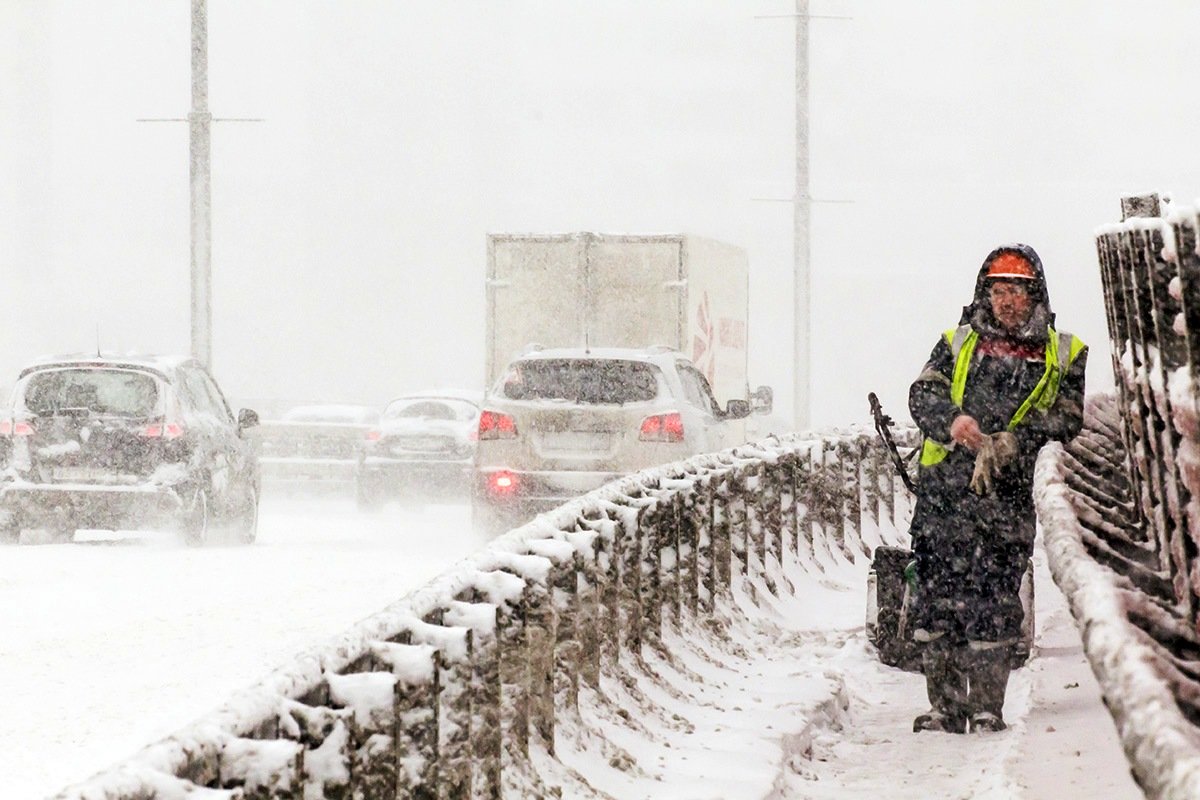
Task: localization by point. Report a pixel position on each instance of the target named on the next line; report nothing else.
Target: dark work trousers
(962, 681)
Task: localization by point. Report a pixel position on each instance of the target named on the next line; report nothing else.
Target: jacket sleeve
(1063, 420)
(929, 396)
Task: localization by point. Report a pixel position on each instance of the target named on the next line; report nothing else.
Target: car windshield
(585, 380)
(98, 391)
(427, 408)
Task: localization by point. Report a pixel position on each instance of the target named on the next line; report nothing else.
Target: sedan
(421, 449)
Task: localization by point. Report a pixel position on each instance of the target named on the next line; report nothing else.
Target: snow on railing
(451, 691)
(1118, 505)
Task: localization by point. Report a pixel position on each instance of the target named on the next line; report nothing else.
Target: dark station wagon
(125, 443)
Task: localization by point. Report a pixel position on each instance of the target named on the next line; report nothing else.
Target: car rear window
(117, 392)
(431, 409)
(591, 380)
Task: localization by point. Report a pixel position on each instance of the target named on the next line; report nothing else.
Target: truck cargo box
(620, 290)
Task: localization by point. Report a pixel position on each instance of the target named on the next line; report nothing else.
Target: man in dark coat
(995, 389)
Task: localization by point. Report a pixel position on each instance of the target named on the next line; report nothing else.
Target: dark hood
(979, 312)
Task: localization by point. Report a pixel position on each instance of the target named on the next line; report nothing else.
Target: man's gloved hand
(1004, 450)
(981, 479)
(997, 452)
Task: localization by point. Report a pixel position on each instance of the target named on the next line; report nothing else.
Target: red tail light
(502, 483)
(161, 430)
(494, 425)
(662, 428)
(9, 428)
(373, 435)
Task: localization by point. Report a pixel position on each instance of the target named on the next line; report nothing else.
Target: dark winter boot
(986, 722)
(946, 684)
(934, 721)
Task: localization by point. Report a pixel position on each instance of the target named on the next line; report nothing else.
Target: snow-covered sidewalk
(798, 706)
(1061, 741)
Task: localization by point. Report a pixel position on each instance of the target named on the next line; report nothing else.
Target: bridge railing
(1119, 505)
(445, 693)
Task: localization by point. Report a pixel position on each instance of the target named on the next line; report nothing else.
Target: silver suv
(562, 422)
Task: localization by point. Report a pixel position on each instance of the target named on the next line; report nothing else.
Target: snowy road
(106, 648)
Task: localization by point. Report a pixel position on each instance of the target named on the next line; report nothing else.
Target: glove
(997, 452)
(981, 478)
(1004, 450)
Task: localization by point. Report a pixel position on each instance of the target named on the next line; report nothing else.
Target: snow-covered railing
(455, 689)
(1118, 505)
(1151, 276)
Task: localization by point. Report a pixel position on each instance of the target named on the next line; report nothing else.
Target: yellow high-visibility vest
(1061, 351)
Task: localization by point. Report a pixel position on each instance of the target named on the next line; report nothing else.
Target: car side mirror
(247, 418)
(762, 400)
(737, 409)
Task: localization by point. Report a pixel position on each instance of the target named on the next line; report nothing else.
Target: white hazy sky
(348, 233)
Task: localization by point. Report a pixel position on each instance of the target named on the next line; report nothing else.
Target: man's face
(1011, 304)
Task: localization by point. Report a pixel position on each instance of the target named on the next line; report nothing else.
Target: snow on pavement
(109, 647)
(1061, 741)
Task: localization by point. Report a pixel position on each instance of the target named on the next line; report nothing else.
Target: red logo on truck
(703, 342)
(732, 333)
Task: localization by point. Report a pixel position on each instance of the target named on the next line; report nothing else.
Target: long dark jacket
(971, 551)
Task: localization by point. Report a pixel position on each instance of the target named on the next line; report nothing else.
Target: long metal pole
(200, 125)
(802, 209)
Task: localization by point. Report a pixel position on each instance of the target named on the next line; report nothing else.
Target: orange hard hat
(1011, 265)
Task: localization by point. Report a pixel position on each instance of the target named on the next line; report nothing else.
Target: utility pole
(802, 203)
(802, 214)
(200, 158)
(199, 122)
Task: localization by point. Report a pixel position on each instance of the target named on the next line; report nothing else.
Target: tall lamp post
(802, 213)
(199, 122)
(801, 202)
(200, 160)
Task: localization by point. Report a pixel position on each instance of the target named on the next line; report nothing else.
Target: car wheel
(245, 525)
(194, 520)
(488, 520)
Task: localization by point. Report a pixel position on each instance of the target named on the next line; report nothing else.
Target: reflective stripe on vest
(1061, 351)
